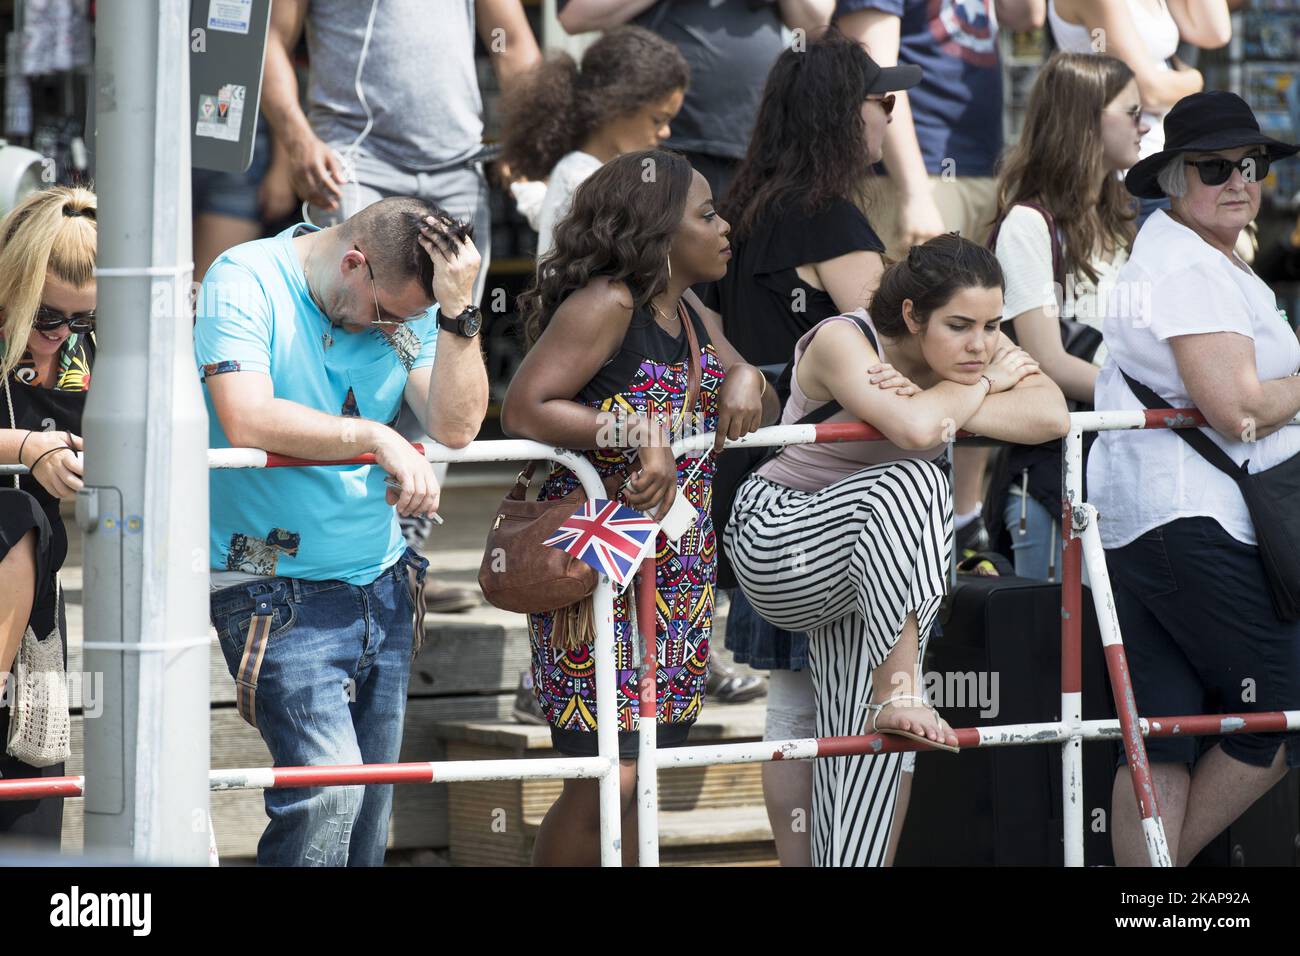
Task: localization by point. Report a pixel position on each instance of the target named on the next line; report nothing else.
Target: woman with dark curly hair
(613, 332)
(804, 252)
(563, 120)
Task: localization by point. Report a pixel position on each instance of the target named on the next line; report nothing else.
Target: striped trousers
(846, 564)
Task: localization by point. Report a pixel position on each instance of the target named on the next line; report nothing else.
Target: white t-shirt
(1158, 32)
(567, 176)
(1024, 250)
(1175, 283)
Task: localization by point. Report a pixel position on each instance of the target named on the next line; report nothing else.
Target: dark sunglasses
(886, 103)
(1215, 172)
(47, 320)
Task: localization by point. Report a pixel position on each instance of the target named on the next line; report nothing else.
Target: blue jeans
(1032, 551)
(330, 689)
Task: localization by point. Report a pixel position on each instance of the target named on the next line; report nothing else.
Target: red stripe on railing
(647, 595)
(353, 774)
(284, 461)
(1121, 686)
(1173, 418)
(1200, 725)
(34, 788)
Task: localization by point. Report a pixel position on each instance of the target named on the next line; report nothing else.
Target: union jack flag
(611, 537)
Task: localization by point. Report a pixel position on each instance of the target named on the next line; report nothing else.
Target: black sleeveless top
(645, 341)
(49, 409)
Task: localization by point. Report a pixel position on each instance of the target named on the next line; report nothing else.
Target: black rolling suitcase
(1002, 806)
(1267, 834)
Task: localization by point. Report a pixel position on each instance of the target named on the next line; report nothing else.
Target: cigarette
(392, 482)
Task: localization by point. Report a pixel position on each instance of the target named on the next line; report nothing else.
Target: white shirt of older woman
(1175, 285)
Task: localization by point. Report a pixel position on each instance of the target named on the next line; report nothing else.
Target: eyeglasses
(886, 102)
(1134, 115)
(47, 320)
(1215, 172)
(374, 293)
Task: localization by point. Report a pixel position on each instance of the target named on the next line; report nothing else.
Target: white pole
(1072, 815)
(1103, 599)
(144, 508)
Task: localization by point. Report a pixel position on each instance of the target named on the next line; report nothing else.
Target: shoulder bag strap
(1200, 442)
(1058, 256)
(13, 421)
(693, 366)
(826, 410)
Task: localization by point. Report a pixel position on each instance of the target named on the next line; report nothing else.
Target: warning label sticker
(220, 116)
(230, 16)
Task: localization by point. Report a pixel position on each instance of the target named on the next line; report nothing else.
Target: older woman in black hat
(1190, 323)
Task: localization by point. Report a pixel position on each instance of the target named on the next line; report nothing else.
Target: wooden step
(718, 722)
(420, 816)
(709, 815)
(731, 836)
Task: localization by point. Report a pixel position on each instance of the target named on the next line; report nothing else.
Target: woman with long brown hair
(47, 346)
(613, 330)
(1065, 225)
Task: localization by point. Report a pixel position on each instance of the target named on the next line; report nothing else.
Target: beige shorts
(966, 203)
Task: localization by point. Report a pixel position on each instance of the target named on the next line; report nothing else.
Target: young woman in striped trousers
(851, 542)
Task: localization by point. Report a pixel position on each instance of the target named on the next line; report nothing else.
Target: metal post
(1122, 689)
(1071, 648)
(647, 767)
(145, 505)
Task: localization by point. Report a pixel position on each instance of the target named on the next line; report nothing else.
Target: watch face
(470, 324)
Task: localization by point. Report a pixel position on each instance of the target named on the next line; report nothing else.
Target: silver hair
(1172, 177)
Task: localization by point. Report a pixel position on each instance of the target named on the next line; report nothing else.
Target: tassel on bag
(574, 626)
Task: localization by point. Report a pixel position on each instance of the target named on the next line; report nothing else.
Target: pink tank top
(811, 468)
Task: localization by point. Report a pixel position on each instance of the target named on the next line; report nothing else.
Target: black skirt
(36, 821)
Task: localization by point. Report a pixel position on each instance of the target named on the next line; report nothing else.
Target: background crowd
(832, 192)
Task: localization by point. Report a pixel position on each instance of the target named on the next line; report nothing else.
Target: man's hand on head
(456, 263)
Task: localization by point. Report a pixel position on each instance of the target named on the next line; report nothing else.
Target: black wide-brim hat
(1203, 122)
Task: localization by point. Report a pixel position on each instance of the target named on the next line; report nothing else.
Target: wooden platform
(710, 815)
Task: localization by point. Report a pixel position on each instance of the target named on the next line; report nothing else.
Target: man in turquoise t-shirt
(307, 343)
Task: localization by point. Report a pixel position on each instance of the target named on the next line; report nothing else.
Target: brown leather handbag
(519, 573)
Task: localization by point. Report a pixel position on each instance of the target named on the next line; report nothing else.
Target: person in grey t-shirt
(729, 44)
(393, 109)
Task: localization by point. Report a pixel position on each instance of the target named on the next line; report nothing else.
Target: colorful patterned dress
(648, 377)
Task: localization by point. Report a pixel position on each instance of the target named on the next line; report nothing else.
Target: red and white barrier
(1081, 542)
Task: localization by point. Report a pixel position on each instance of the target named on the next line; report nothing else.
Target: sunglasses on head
(47, 320)
(1215, 172)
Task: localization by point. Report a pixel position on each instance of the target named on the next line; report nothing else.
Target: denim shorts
(758, 644)
(233, 194)
(1201, 637)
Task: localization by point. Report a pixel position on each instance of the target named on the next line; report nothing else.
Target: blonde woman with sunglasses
(47, 347)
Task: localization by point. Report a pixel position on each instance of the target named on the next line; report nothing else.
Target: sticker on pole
(610, 537)
(230, 16)
(220, 115)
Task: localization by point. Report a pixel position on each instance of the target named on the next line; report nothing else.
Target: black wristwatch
(465, 325)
